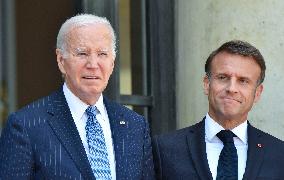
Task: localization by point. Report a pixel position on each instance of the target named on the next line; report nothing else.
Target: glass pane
(125, 48)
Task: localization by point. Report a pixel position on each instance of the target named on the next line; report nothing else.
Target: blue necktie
(98, 157)
(228, 160)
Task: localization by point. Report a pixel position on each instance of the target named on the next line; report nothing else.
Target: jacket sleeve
(16, 160)
(148, 168)
(156, 158)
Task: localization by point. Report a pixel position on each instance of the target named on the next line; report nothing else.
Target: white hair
(78, 21)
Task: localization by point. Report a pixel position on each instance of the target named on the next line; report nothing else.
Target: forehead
(235, 64)
(90, 35)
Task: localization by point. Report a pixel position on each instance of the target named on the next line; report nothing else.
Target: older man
(77, 133)
(224, 145)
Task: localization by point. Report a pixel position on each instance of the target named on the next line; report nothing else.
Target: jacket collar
(119, 128)
(63, 125)
(256, 148)
(197, 148)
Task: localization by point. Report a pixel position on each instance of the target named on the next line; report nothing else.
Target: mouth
(91, 77)
(232, 100)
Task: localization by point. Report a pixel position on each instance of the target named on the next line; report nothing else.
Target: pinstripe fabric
(41, 141)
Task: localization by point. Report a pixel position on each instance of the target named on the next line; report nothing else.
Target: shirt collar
(100, 106)
(78, 107)
(241, 132)
(212, 128)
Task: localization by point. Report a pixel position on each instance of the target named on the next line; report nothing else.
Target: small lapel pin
(259, 145)
(122, 122)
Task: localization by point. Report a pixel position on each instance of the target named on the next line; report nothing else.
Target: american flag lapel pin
(122, 122)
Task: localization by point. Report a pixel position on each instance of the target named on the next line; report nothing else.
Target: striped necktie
(98, 154)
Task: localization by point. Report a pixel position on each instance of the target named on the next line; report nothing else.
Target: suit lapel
(197, 148)
(65, 129)
(119, 130)
(255, 153)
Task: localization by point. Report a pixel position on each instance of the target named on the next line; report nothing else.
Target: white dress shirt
(78, 108)
(214, 145)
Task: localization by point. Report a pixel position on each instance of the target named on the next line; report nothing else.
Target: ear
(258, 92)
(206, 84)
(60, 61)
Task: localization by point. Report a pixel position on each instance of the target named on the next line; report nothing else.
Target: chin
(94, 92)
(230, 115)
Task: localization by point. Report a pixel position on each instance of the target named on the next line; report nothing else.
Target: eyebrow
(85, 49)
(104, 50)
(229, 75)
(79, 49)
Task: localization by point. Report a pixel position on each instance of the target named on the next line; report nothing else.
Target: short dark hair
(239, 48)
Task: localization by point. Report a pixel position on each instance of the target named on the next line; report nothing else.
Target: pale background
(202, 26)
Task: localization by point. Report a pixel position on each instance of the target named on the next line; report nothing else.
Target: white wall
(202, 26)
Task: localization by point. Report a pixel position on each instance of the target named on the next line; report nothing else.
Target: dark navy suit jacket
(41, 141)
(182, 155)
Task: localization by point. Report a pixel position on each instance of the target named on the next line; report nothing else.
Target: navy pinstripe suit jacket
(41, 141)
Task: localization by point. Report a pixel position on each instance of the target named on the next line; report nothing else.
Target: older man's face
(89, 62)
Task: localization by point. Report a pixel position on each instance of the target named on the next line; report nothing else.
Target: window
(144, 77)
(7, 60)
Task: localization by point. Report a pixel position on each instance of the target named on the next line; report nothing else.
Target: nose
(232, 86)
(92, 61)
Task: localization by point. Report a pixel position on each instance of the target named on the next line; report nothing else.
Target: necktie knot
(226, 136)
(91, 111)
